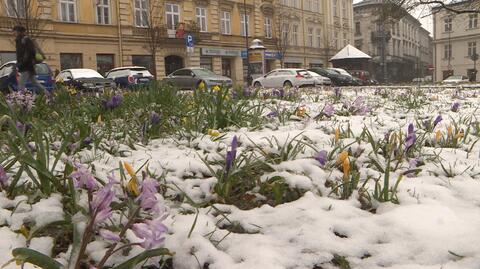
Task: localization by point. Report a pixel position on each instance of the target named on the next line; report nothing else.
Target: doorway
(172, 63)
(227, 67)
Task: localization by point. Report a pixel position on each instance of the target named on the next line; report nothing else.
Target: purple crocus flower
(83, 178)
(151, 232)
(322, 157)
(87, 141)
(231, 154)
(101, 202)
(413, 163)
(3, 177)
(455, 106)
(328, 110)
(147, 198)
(154, 118)
(113, 102)
(272, 114)
(437, 120)
(411, 137)
(109, 235)
(338, 92)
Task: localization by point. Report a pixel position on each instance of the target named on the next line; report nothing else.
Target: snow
(435, 224)
(350, 52)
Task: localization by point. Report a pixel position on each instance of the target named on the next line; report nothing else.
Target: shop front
(224, 61)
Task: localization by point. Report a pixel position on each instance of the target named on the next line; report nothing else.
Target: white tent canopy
(350, 52)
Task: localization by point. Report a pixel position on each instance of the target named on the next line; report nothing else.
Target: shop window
(143, 61)
(105, 63)
(312, 65)
(293, 65)
(447, 73)
(206, 62)
(227, 67)
(70, 60)
(172, 63)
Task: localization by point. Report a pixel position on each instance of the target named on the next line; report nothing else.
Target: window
(472, 48)
(172, 12)
(394, 43)
(308, 5)
(335, 13)
(141, 13)
(319, 37)
(16, 8)
(296, 3)
(70, 60)
(244, 22)
(105, 63)
(335, 40)
(316, 6)
(143, 60)
(295, 35)
(225, 23)
(285, 30)
(345, 39)
(473, 21)
(357, 28)
(268, 27)
(448, 24)
(206, 62)
(344, 8)
(201, 14)
(67, 10)
(103, 12)
(447, 51)
(310, 37)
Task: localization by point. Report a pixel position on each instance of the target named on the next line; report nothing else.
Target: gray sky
(419, 13)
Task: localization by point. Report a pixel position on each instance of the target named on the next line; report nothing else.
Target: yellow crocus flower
(342, 157)
(301, 111)
(213, 133)
(346, 169)
(337, 135)
(450, 131)
(459, 135)
(201, 86)
(99, 119)
(438, 136)
(129, 169)
(216, 88)
(24, 231)
(132, 186)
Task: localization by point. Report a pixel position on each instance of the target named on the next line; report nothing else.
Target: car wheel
(257, 85)
(287, 84)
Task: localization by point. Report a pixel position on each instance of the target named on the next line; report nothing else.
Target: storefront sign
(268, 54)
(221, 52)
(256, 57)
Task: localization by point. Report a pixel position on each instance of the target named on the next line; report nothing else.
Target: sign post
(189, 42)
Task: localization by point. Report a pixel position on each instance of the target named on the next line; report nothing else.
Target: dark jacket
(25, 54)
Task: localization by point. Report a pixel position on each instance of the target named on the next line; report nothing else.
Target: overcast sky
(420, 13)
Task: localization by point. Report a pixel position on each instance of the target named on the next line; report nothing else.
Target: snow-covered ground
(434, 225)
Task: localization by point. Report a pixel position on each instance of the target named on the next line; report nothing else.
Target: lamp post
(246, 24)
(474, 57)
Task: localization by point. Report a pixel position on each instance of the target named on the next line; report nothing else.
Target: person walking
(26, 53)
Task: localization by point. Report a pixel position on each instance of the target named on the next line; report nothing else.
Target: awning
(350, 52)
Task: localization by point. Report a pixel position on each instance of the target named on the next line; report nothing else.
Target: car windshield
(454, 77)
(42, 69)
(332, 72)
(203, 72)
(85, 73)
(313, 74)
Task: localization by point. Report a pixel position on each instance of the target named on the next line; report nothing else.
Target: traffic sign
(189, 41)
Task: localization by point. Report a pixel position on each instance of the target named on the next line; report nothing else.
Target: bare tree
(453, 6)
(155, 29)
(281, 32)
(28, 13)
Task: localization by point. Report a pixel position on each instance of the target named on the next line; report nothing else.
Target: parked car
(190, 78)
(341, 71)
(352, 81)
(336, 78)
(85, 80)
(455, 79)
(285, 78)
(130, 76)
(320, 80)
(363, 75)
(9, 76)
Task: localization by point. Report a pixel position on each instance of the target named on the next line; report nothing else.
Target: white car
(319, 79)
(455, 80)
(289, 77)
(341, 71)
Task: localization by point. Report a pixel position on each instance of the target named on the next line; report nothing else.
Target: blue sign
(189, 41)
(268, 54)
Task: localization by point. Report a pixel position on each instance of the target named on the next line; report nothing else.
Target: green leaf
(36, 258)
(143, 256)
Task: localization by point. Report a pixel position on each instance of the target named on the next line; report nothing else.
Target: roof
(126, 67)
(350, 52)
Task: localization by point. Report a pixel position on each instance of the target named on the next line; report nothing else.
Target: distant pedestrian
(26, 58)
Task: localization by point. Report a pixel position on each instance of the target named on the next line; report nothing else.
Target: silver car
(320, 80)
(191, 78)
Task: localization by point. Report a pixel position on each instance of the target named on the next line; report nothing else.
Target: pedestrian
(26, 58)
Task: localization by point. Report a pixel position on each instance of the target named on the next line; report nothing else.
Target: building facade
(455, 42)
(103, 34)
(400, 44)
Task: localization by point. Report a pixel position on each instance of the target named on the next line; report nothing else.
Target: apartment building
(455, 42)
(401, 44)
(103, 34)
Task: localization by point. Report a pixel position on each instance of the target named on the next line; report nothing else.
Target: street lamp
(246, 24)
(474, 57)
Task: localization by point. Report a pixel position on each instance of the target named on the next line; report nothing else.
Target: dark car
(85, 79)
(130, 76)
(336, 78)
(9, 76)
(191, 78)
